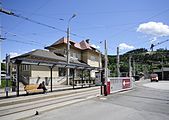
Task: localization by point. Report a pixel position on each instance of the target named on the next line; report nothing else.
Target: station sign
(7, 89)
(8, 77)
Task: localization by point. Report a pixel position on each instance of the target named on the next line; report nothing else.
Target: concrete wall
(85, 56)
(75, 53)
(92, 58)
(60, 49)
(42, 73)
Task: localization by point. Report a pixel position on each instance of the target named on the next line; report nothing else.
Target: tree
(3, 67)
(145, 61)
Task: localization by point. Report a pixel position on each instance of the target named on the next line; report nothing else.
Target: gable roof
(48, 57)
(62, 40)
(42, 54)
(84, 45)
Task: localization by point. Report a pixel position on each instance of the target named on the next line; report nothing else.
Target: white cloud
(124, 46)
(156, 29)
(95, 46)
(13, 54)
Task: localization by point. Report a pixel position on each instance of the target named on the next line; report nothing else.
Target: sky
(128, 24)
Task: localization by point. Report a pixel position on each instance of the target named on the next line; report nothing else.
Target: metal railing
(120, 83)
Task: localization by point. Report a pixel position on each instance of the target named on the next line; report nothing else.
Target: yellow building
(81, 53)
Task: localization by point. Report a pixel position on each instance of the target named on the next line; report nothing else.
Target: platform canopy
(51, 59)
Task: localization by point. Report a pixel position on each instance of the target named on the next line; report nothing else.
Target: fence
(119, 83)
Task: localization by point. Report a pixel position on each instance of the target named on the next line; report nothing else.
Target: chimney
(87, 40)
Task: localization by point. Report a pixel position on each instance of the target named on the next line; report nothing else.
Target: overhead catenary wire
(52, 27)
(20, 36)
(37, 22)
(18, 41)
(41, 6)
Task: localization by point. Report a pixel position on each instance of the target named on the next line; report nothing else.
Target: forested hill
(142, 59)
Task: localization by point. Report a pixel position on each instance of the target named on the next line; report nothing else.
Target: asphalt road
(141, 103)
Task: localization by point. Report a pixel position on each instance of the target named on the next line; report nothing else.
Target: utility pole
(134, 68)
(130, 68)
(100, 60)
(162, 68)
(0, 42)
(106, 72)
(68, 49)
(100, 72)
(106, 60)
(118, 63)
(68, 55)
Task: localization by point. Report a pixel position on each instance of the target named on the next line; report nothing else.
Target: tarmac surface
(141, 103)
(161, 85)
(26, 106)
(145, 101)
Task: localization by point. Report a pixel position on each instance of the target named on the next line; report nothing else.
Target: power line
(153, 45)
(31, 41)
(45, 3)
(37, 22)
(18, 41)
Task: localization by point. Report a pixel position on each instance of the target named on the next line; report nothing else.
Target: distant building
(165, 71)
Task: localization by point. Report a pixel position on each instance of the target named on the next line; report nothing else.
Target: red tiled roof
(61, 40)
(83, 45)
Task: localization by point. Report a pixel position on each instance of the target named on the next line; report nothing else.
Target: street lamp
(68, 47)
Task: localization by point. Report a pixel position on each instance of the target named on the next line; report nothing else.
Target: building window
(74, 55)
(62, 72)
(93, 58)
(25, 67)
(78, 56)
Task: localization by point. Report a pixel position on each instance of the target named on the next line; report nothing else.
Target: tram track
(38, 104)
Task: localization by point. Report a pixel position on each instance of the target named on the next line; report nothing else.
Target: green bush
(3, 83)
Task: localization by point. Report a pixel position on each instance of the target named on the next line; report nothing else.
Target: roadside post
(7, 88)
(108, 87)
(102, 82)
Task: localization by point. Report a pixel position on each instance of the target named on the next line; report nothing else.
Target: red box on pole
(108, 87)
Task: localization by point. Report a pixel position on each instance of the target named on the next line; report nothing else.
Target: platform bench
(32, 88)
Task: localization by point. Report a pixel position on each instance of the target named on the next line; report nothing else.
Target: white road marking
(103, 98)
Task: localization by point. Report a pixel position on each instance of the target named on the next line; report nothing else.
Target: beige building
(80, 53)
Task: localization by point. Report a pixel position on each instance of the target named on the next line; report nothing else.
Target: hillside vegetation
(142, 60)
